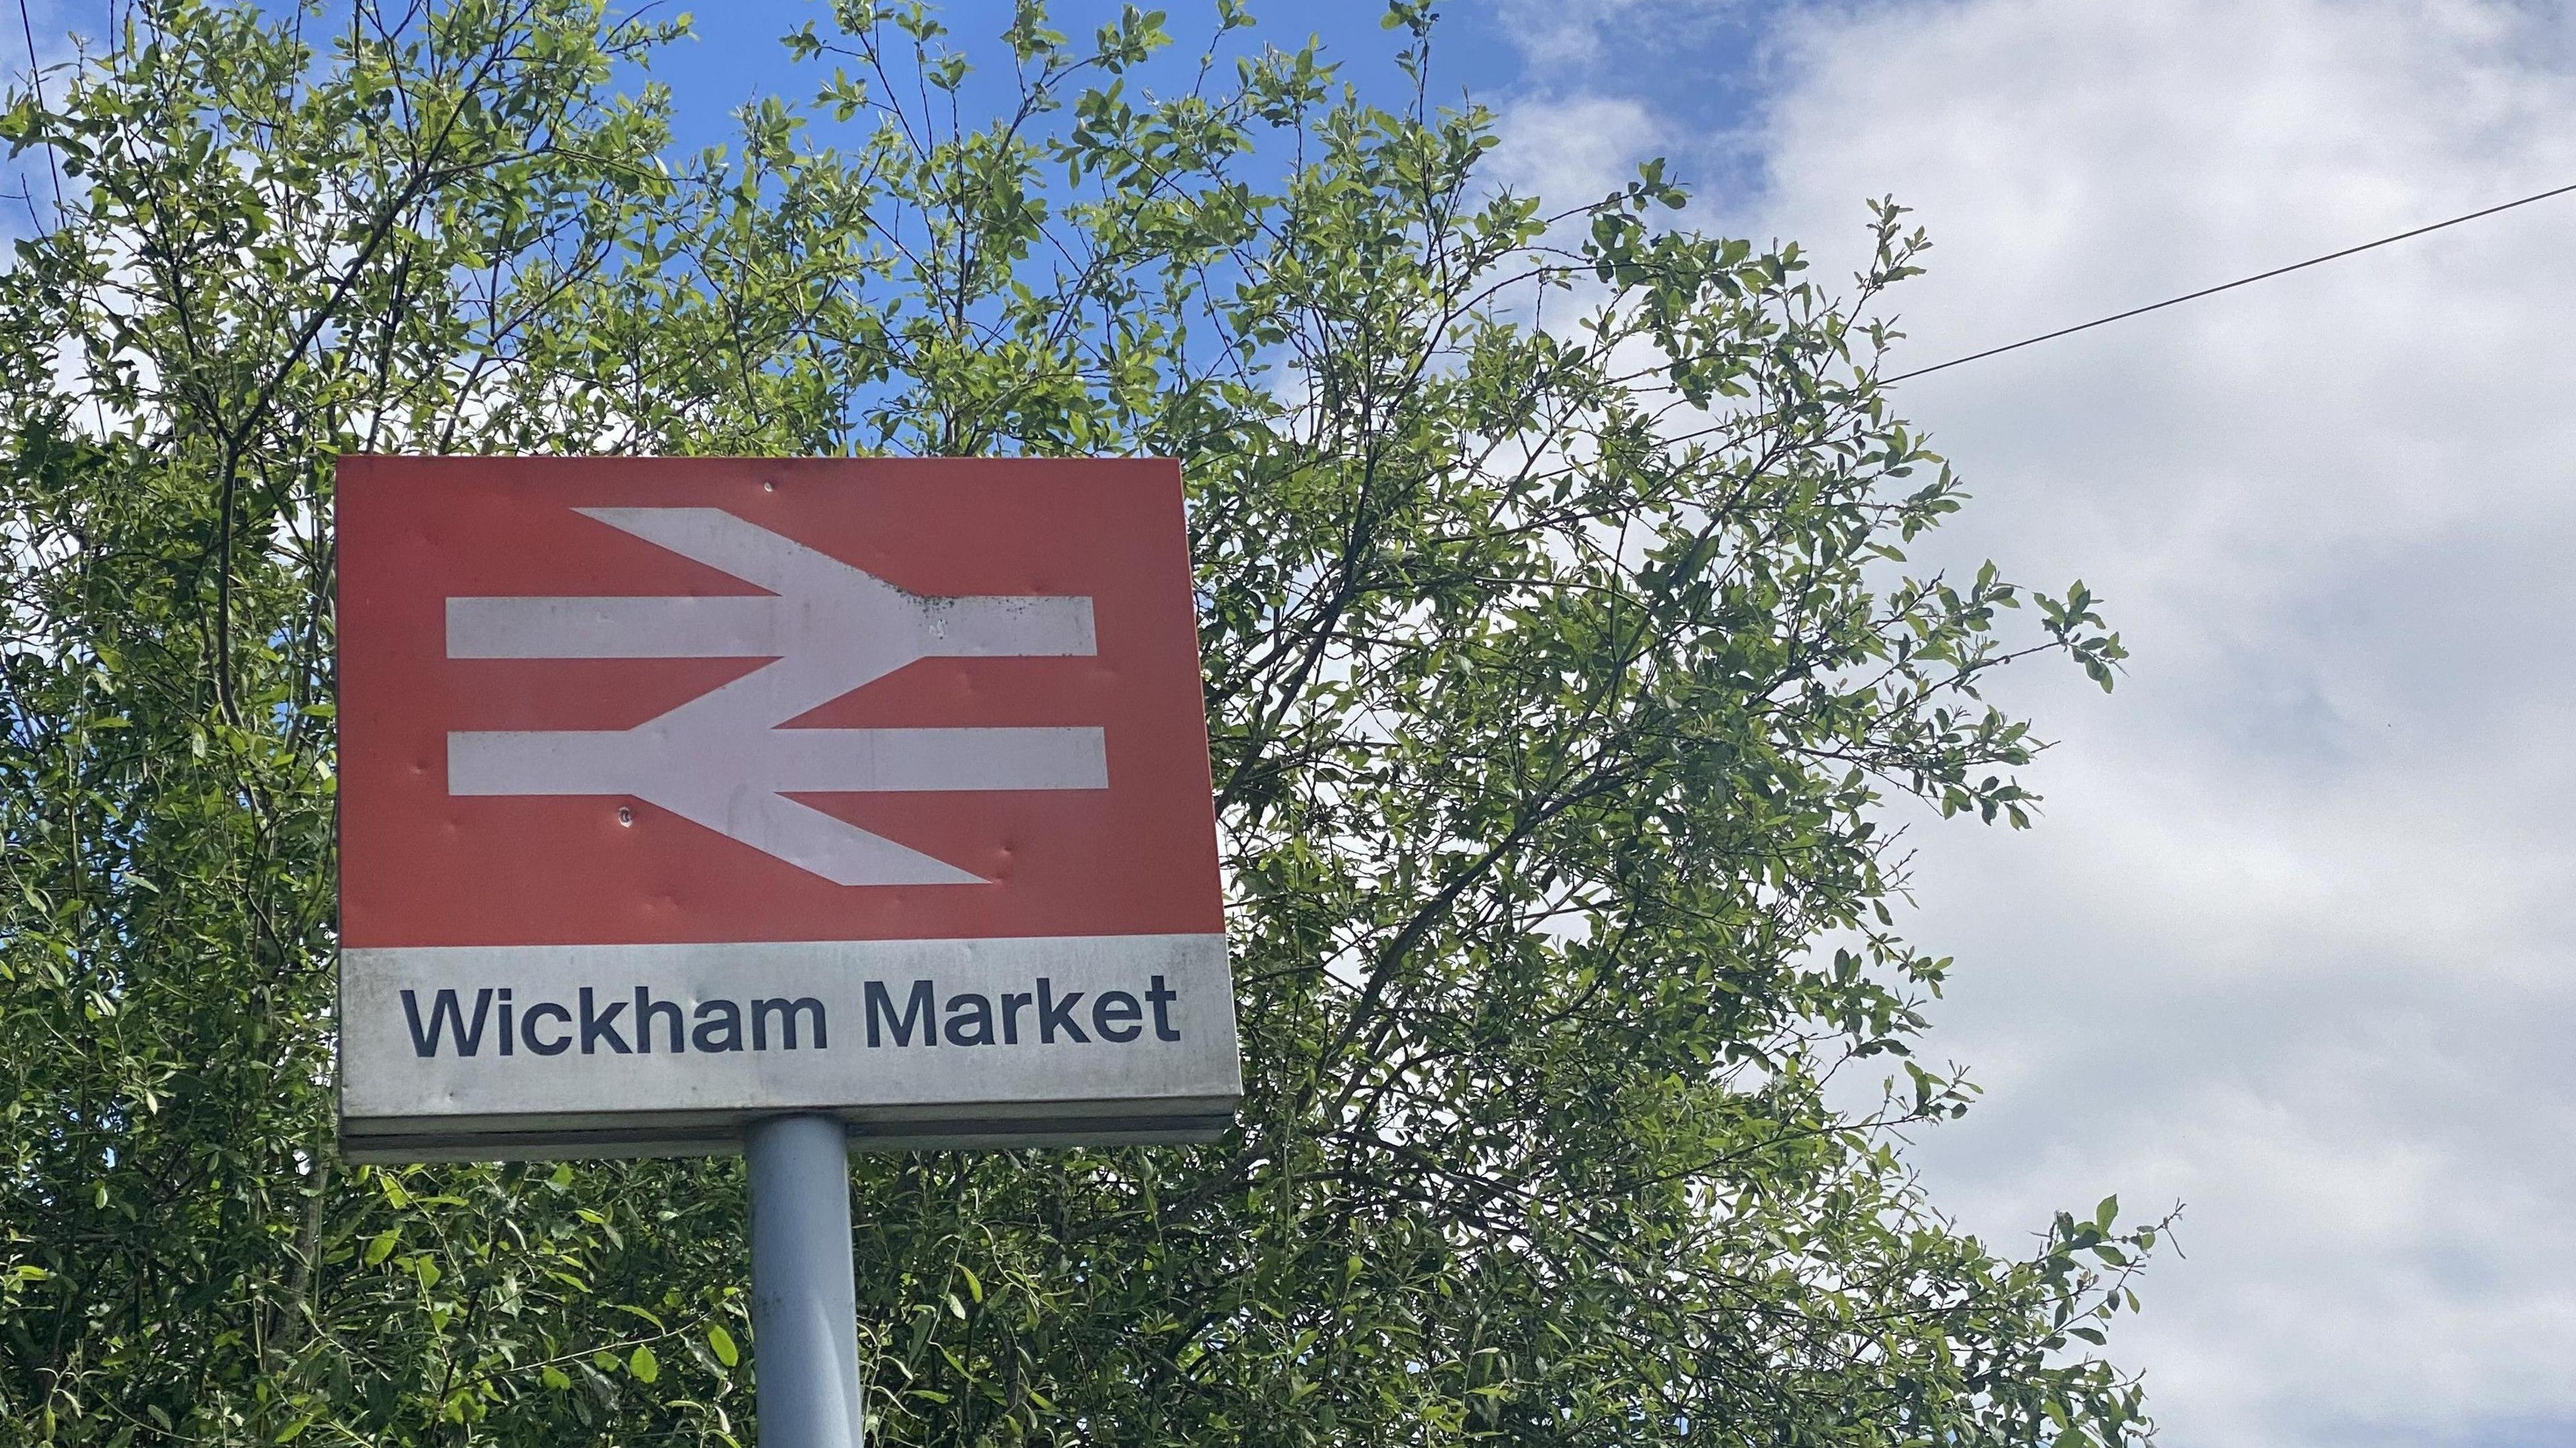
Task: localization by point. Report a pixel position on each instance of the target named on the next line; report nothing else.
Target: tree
(1562, 662)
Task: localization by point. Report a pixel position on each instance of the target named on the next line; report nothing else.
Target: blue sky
(2292, 943)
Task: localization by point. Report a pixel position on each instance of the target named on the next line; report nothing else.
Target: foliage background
(1559, 644)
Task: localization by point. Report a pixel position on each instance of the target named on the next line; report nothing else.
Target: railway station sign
(675, 793)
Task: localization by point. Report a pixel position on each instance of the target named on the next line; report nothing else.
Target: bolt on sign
(680, 792)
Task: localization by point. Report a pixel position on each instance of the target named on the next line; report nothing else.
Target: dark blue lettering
(788, 1010)
(919, 1014)
(1111, 1014)
(719, 1027)
(598, 1025)
(647, 1010)
(970, 1011)
(444, 1012)
(1053, 1013)
(528, 1029)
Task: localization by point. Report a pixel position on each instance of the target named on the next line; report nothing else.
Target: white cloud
(1563, 36)
(1557, 35)
(2292, 942)
(1572, 151)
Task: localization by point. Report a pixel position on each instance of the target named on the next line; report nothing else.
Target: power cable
(2222, 287)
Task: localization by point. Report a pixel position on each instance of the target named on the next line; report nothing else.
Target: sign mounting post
(780, 806)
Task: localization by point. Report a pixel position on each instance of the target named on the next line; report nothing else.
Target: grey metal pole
(804, 1306)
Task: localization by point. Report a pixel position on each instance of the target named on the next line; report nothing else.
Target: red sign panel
(611, 701)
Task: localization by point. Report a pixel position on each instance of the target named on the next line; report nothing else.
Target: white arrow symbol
(721, 759)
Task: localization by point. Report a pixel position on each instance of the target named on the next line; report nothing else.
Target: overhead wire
(1694, 434)
(2226, 286)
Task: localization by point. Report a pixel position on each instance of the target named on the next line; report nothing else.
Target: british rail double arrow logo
(721, 759)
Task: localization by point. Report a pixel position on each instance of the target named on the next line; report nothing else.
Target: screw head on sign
(769, 486)
(625, 815)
